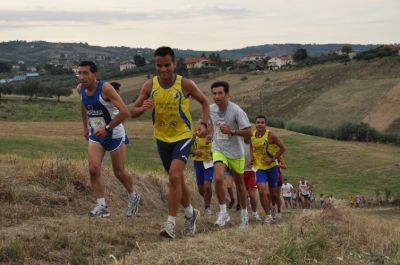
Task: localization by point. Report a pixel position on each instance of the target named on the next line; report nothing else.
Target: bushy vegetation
(379, 52)
(346, 132)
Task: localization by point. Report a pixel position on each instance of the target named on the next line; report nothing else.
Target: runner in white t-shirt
(287, 193)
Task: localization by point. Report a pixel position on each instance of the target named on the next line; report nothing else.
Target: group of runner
(223, 144)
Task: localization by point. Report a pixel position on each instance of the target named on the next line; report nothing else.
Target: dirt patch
(386, 111)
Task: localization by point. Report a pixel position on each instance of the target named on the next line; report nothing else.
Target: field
(45, 197)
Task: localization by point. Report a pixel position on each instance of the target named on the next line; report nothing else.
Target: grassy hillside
(342, 168)
(45, 197)
(324, 96)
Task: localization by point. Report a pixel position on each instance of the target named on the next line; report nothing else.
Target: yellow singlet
(261, 149)
(171, 116)
(201, 145)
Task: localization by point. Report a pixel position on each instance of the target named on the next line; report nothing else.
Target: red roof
(193, 60)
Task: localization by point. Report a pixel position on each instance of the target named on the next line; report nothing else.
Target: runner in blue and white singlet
(100, 113)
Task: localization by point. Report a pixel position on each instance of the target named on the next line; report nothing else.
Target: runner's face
(201, 130)
(260, 124)
(219, 96)
(86, 77)
(165, 67)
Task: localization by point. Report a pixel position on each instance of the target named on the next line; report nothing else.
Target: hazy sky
(202, 24)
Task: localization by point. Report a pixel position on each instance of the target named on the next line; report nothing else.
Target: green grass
(141, 154)
(38, 110)
(342, 168)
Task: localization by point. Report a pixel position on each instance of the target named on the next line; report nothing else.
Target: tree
(181, 67)
(300, 55)
(139, 60)
(346, 49)
(6, 88)
(5, 67)
(59, 89)
(30, 88)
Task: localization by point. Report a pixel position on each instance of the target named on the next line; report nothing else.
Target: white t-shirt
(286, 188)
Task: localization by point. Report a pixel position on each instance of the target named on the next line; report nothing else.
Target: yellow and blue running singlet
(261, 149)
(202, 145)
(171, 115)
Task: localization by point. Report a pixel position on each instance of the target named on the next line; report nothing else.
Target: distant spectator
(321, 200)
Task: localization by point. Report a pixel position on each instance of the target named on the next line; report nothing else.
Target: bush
(243, 78)
(276, 122)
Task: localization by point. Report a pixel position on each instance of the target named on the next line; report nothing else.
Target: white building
(278, 62)
(126, 65)
(198, 62)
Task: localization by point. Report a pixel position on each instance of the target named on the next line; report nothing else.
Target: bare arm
(143, 101)
(276, 140)
(191, 89)
(84, 116)
(110, 94)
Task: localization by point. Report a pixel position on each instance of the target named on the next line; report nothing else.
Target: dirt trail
(386, 111)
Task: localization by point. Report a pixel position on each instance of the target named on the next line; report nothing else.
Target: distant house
(19, 78)
(278, 62)
(252, 58)
(198, 62)
(28, 75)
(126, 65)
(352, 55)
(31, 69)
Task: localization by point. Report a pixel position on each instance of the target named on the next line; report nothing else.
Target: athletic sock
(171, 219)
(101, 201)
(131, 195)
(189, 211)
(222, 207)
(243, 212)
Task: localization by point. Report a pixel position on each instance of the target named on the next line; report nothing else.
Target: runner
(102, 114)
(203, 165)
(168, 95)
(265, 155)
(287, 189)
(230, 125)
(304, 187)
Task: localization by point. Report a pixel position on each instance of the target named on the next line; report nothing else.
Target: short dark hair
(163, 51)
(93, 67)
(115, 85)
(224, 84)
(261, 117)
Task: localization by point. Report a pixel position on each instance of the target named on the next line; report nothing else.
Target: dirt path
(386, 111)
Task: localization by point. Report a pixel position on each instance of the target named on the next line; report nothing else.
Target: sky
(201, 25)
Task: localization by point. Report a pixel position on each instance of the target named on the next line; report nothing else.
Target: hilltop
(37, 52)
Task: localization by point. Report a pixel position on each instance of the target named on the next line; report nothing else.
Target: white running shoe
(208, 211)
(223, 217)
(133, 205)
(244, 222)
(99, 211)
(278, 216)
(190, 223)
(168, 230)
(268, 219)
(256, 216)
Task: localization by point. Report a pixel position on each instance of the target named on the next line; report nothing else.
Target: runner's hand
(147, 104)
(100, 132)
(225, 128)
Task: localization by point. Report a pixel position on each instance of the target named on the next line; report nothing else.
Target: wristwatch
(108, 128)
(233, 132)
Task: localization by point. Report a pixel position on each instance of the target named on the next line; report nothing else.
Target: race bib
(97, 122)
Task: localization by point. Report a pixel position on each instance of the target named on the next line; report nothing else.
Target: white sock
(255, 214)
(131, 195)
(171, 219)
(222, 207)
(101, 201)
(189, 211)
(243, 212)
